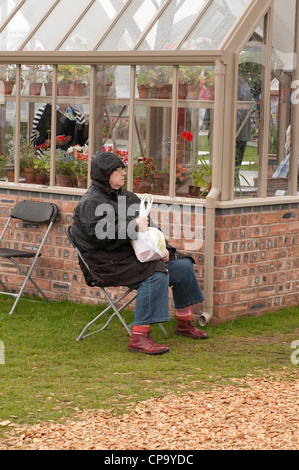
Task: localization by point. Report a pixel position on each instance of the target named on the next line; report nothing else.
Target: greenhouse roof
(119, 25)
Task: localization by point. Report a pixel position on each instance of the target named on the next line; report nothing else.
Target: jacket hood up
(103, 164)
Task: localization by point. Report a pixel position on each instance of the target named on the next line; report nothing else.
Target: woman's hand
(166, 257)
(142, 224)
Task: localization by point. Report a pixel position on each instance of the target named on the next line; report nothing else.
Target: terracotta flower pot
(164, 91)
(193, 92)
(8, 87)
(29, 175)
(194, 191)
(64, 180)
(82, 181)
(35, 88)
(48, 88)
(10, 174)
(143, 91)
(182, 91)
(63, 89)
(143, 187)
(77, 89)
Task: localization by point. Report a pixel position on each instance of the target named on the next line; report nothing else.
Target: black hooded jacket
(104, 224)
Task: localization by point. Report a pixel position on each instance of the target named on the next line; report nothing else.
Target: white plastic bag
(149, 245)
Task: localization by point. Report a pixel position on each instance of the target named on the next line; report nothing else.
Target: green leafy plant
(190, 74)
(64, 163)
(28, 155)
(73, 74)
(147, 75)
(143, 170)
(3, 161)
(80, 159)
(43, 163)
(34, 73)
(8, 72)
(201, 173)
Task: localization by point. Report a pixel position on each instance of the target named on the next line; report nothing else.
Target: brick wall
(256, 256)
(256, 260)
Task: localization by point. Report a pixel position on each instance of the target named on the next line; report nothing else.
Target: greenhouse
(199, 100)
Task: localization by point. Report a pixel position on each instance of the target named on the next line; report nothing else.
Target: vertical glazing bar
(174, 126)
(265, 113)
(53, 126)
(17, 124)
(131, 128)
(91, 133)
(293, 170)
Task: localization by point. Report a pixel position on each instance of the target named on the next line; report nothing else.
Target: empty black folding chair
(33, 213)
(112, 303)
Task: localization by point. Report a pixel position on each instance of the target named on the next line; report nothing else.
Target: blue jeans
(152, 293)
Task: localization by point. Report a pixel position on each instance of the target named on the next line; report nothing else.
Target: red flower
(188, 136)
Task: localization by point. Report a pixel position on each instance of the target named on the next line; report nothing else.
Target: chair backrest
(34, 211)
(82, 263)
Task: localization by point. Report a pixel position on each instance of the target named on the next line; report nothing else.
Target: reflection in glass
(22, 24)
(63, 17)
(89, 30)
(215, 24)
(7, 133)
(152, 149)
(171, 26)
(248, 119)
(130, 25)
(112, 125)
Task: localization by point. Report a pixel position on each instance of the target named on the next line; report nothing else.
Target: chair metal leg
(112, 305)
(28, 273)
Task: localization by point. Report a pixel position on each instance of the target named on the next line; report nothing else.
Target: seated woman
(71, 126)
(103, 231)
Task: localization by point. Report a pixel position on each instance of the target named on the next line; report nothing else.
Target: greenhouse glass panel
(172, 24)
(284, 100)
(63, 17)
(6, 8)
(195, 131)
(87, 33)
(20, 26)
(215, 24)
(250, 100)
(129, 27)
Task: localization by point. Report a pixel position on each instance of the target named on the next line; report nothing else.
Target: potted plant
(3, 161)
(28, 155)
(35, 75)
(164, 81)
(190, 74)
(48, 77)
(207, 84)
(65, 168)
(160, 180)
(8, 77)
(80, 156)
(72, 79)
(42, 165)
(146, 80)
(201, 173)
(143, 172)
(109, 77)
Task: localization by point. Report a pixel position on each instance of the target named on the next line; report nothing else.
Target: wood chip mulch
(249, 414)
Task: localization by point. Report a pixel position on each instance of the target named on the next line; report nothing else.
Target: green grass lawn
(47, 374)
